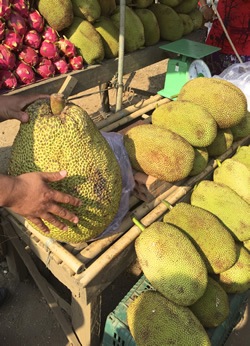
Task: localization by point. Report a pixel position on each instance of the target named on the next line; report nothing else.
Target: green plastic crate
(116, 332)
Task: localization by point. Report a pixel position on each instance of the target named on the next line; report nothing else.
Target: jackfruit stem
(218, 163)
(57, 103)
(138, 223)
(167, 204)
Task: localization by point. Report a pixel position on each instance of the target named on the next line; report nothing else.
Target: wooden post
(104, 95)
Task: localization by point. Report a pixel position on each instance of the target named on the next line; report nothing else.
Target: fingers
(54, 176)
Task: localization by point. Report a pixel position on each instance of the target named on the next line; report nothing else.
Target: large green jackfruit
(237, 278)
(171, 25)
(171, 263)
(87, 9)
(150, 24)
(159, 152)
(213, 307)
(142, 3)
(226, 102)
(110, 36)
(187, 23)
(107, 7)
(191, 121)
(226, 204)
(70, 141)
(186, 6)
(134, 30)
(242, 129)
(58, 13)
(155, 320)
(210, 237)
(86, 38)
(170, 3)
(197, 18)
(200, 161)
(236, 175)
(243, 155)
(222, 142)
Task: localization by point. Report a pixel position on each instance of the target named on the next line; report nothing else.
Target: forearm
(6, 189)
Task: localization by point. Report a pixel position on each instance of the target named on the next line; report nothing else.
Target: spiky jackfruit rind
(186, 6)
(212, 308)
(159, 152)
(211, 238)
(200, 161)
(242, 129)
(187, 23)
(222, 201)
(173, 265)
(73, 143)
(107, 7)
(87, 9)
(171, 25)
(189, 120)
(222, 142)
(226, 102)
(87, 40)
(142, 3)
(58, 13)
(110, 36)
(150, 313)
(243, 155)
(150, 24)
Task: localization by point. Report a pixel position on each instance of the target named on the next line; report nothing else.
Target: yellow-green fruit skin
(159, 152)
(88, 41)
(243, 155)
(134, 37)
(210, 237)
(171, 263)
(197, 18)
(237, 278)
(58, 13)
(226, 204)
(107, 7)
(191, 121)
(87, 9)
(226, 103)
(222, 142)
(142, 3)
(171, 25)
(187, 23)
(186, 6)
(155, 320)
(242, 129)
(110, 36)
(235, 175)
(150, 24)
(49, 143)
(213, 307)
(200, 161)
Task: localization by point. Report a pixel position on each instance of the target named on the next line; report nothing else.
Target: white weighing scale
(187, 65)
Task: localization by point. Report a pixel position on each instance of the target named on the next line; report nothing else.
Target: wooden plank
(68, 86)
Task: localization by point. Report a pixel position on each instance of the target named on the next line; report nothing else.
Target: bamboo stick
(71, 261)
(41, 283)
(134, 115)
(131, 109)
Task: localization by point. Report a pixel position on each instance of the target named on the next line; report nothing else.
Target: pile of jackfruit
(194, 259)
(209, 115)
(93, 25)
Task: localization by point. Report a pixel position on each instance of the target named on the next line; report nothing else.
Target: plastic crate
(116, 332)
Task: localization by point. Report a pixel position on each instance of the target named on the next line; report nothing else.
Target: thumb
(22, 116)
(54, 176)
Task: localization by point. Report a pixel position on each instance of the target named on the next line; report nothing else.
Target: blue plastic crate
(116, 332)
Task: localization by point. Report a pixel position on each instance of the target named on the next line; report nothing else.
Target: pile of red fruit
(29, 48)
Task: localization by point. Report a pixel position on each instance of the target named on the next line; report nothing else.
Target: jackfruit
(173, 265)
(171, 25)
(243, 155)
(222, 142)
(191, 121)
(110, 36)
(237, 278)
(142, 3)
(242, 129)
(155, 320)
(159, 152)
(86, 38)
(200, 161)
(187, 23)
(247, 245)
(107, 7)
(235, 175)
(170, 3)
(226, 102)
(226, 204)
(213, 307)
(197, 18)
(58, 13)
(87, 9)
(70, 141)
(134, 30)
(150, 24)
(186, 6)
(210, 237)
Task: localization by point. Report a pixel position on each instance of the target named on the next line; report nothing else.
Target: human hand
(32, 198)
(208, 13)
(13, 106)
